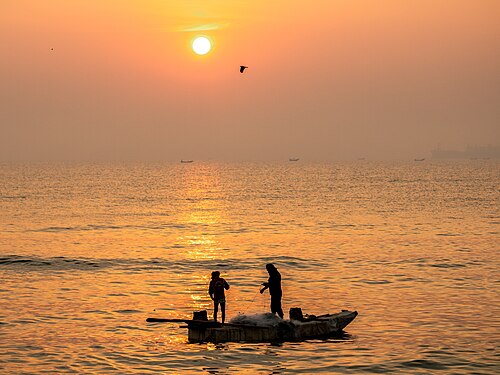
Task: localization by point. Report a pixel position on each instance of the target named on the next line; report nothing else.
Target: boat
(419, 159)
(264, 327)
(186, 161)
(293, 159)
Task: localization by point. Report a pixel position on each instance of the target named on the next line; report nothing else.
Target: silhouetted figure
(242, 68)
(216, 292)
(274, 285)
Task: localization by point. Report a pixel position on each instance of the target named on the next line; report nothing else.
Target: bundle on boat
(264, 327)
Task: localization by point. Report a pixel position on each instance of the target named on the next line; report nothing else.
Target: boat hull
(287, 330)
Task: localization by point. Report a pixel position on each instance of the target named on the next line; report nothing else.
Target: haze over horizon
(117, 80)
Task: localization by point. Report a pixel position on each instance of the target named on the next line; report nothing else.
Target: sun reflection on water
(204, 208)
(202, 247)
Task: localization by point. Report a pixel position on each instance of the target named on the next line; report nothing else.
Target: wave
(90, 227)
(17, 261)
(30, 263)
(13, 197)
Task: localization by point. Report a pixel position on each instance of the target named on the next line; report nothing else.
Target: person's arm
(211, 290)
(266, 285)
(226, 285)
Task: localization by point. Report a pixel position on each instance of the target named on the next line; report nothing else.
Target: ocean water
(89, 251)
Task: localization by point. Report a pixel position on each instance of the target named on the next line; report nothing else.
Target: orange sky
(327, 79)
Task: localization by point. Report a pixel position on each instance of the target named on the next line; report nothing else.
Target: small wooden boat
(186, 161)
(269, 329)
(293, 159)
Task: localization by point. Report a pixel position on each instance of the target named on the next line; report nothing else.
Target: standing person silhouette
(274, 285)
(216, 292)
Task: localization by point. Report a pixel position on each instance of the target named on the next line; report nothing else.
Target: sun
(201, 45)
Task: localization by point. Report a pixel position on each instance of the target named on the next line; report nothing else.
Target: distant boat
(293, 159)
(186, 161)
(420, 159)
(361, 158)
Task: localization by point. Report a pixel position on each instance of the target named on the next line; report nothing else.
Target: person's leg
(276, 306)
(223, 311)
(274, 310)
(216, 309)
(279, 309)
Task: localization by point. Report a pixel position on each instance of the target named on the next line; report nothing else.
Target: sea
(88, 251)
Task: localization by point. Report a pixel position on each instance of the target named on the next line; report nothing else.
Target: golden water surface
(89, 251)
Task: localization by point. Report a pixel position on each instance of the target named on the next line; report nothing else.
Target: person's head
(215, 274)
(270, 268)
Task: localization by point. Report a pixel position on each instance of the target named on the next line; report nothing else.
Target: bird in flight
(242, 68)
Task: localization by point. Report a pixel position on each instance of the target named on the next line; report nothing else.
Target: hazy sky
(327, 79)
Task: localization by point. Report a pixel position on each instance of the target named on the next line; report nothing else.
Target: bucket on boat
(200, 315)
(296, 314)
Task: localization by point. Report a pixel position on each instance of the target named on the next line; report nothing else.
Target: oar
(201, 322)
(157, 320)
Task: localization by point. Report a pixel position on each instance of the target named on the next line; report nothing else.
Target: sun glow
(202, 45)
